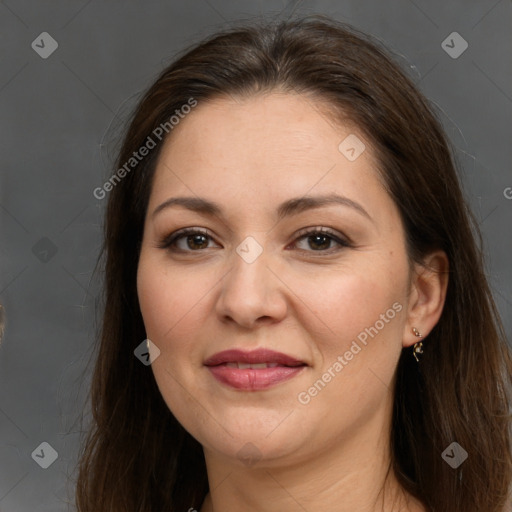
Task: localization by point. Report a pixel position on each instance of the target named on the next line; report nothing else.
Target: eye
(186, 240)
(321, 240)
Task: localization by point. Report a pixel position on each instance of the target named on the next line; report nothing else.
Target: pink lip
(253, 379)
(259, 355)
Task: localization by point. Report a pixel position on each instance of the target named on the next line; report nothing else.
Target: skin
(307, 301)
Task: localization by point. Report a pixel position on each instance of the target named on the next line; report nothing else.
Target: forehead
(285, 123)
(265, 147)
(251, 133)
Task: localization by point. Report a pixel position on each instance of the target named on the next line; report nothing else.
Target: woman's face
(259, 275)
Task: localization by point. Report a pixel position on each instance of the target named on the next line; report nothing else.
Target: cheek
(348, 304)
(167, 298)
(363, 310)
(168, 302)
(360, 345)
(153, 298)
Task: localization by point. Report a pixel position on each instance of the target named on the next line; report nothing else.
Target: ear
(429, 283)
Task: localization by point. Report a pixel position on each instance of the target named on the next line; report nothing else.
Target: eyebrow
(290, 207)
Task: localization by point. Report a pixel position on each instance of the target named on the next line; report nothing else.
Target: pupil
(196, 240)
(316, 238)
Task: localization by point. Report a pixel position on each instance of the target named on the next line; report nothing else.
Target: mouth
(254, 370)
(254, 358)
(256, 366)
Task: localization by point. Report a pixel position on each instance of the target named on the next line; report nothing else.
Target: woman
(296, 312)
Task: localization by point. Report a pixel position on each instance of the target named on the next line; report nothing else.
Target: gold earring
(418, 346)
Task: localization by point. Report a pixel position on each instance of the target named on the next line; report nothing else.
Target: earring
(418, 346)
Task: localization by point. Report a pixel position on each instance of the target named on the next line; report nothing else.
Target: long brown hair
(136, 456)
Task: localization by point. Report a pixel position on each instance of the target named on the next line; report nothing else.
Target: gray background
(58, 120)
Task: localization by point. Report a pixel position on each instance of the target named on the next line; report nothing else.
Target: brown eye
(186, 240)
(198, 241)
(321, 240)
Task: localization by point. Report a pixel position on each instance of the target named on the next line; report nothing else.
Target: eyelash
(168, 241)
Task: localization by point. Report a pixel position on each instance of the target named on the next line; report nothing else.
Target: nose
(251, 293)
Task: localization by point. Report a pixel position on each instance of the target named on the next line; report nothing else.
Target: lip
(259, 355)
(253, 379)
